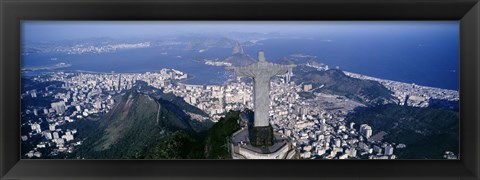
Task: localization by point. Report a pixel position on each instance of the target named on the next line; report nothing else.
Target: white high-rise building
(33, 93)
(59, 107)
(55, 135)
(366, 130)
(48, 135)
(388, 150)
(36, 127)
(351, 125)
(51, 127)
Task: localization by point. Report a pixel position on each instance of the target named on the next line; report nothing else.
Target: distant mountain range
(104, 45)
(83, 46)
(195, 42)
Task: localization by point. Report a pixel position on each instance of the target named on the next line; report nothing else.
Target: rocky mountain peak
(237, 49)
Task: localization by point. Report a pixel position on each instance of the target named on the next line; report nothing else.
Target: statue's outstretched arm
(283, 69)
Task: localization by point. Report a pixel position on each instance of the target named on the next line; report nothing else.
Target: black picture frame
(14, 11)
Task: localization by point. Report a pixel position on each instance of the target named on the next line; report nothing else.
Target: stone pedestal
(261, 136)
(241, 148)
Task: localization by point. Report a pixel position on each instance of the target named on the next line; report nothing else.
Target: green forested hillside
(136, 125)
(140, 126)
(427, 132)
(216, 142)
(336, 82)
(177, 145)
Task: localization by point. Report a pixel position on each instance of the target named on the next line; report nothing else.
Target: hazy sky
(66, 30)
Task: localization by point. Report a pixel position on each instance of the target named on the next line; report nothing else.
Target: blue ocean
(429, 61)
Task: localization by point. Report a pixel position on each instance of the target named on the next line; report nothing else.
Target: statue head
(261, 56)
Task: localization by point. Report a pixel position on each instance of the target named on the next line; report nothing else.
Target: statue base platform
(261, 136)
(241, 148)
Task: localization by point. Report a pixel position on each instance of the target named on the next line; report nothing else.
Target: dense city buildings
(316, 126)
(189, 90)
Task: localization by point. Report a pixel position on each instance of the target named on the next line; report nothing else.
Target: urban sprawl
(316, 126)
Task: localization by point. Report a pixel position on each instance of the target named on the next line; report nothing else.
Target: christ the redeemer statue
(261, 72)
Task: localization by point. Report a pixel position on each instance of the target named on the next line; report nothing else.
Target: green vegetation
(183, 145)
(125, 132)
(180, 103)
(178, 145)
(174, 117)
(427, 132)
(216, 143)
(336, 82)
(131, 131)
